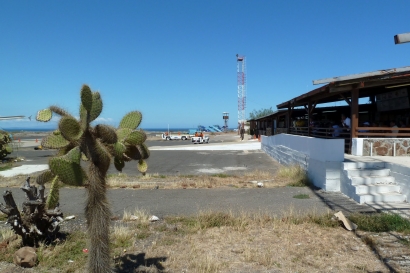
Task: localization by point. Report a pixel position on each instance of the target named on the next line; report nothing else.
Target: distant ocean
(153, 130)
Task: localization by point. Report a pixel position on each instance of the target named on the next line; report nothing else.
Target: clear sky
(175, 60)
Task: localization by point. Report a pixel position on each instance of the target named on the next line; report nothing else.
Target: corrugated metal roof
(382, 72)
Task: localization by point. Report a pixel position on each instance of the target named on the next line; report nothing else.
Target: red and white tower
(241, 75)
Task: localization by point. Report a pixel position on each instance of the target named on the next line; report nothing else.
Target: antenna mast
(241, 76)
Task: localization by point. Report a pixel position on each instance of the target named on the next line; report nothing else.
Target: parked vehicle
(175, 137)
(200, 139)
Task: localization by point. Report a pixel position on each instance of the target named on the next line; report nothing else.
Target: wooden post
(354, 113)
(309, 116)
(288, 119)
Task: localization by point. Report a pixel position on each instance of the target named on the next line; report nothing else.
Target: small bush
(380, 222)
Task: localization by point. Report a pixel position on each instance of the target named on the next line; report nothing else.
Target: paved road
(191, 201)
(185, 158)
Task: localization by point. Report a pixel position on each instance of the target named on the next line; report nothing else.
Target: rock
(133, 217)
(25, 257)
(71, 217)
(260, 185)
(153, 218)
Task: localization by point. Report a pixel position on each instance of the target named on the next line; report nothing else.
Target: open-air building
(307, 130)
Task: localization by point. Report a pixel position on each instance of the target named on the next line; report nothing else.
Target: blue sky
(175, 60)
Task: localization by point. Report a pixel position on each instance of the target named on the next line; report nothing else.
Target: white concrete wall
(401, 175)
(357, 146)
(321, 158)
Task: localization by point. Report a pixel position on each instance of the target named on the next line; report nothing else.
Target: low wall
(321, 158)
(381, 146)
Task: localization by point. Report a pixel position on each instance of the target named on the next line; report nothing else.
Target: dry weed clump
(294, 176)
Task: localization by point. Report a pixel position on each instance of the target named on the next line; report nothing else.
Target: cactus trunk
(98, 220)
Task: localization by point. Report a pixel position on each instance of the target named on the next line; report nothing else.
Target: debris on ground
(349, 225)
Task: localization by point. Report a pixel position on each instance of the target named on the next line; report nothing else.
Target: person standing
(395, 130)
(345, 121)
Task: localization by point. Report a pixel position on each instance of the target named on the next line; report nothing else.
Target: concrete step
(371, 189)
(372, 180)
(400, 208)
(392, 197)
(363, 165)
(368, 172)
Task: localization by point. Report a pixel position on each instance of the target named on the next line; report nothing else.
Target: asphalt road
(180, 162)
(272, 201)
(191, 201)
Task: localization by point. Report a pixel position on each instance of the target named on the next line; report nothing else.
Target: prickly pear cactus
(77, 140)
(5, 144)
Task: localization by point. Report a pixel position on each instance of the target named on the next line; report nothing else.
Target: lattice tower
(241, 76)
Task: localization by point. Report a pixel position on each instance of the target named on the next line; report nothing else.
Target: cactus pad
(136, 138)
(133, 152)
(103, 156)
(119, 149)
(69, 172)
(123, 133)
(44, 115)
(131, 120)
(54, 141)
(86, 97)
(144, 151)
(142, 166)
(54, 195)
(106, 133)
(45, 177)
(96, 107)
(119, 163)
(70, 128)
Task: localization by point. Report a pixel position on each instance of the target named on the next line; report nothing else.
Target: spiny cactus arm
(59, 111)
(144, 151)
(54, 195)
(105, 133)
(136, 137)
(131, 120)
(54, 141)
(95, 152)
(70, 128)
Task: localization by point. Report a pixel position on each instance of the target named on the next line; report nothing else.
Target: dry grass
(247, 180)
(294, 175)
(222, 242)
